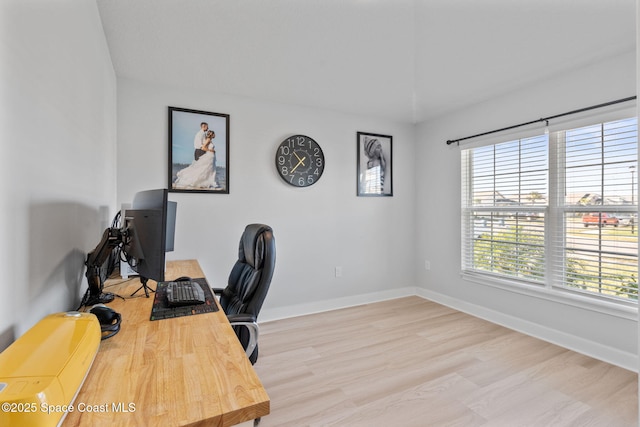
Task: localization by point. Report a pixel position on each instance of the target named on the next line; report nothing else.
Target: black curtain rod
(544, 119)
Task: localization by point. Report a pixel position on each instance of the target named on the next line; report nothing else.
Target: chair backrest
(251, 275)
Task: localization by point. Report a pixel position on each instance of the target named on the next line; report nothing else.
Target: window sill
(622, 309)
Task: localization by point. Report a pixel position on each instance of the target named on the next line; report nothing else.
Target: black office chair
(249, 282)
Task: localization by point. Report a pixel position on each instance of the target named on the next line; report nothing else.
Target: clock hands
(300, 161)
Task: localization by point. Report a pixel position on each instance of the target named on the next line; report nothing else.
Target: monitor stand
(144, 286)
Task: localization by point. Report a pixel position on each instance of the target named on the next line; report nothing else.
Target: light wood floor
(412, 362)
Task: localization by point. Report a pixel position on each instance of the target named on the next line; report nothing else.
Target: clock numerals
(297, 141)
(300, 161)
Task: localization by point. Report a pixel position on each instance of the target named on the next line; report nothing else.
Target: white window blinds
(558, 210)
(597, 243)
(505, 196)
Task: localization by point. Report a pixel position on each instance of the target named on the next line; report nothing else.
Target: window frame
(554, 225)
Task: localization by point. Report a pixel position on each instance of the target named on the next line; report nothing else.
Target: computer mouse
(183, 279)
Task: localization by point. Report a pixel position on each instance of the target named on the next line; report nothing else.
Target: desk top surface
(184, 371)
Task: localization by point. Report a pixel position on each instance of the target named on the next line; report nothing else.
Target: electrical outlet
(427, 264)
(338, 271)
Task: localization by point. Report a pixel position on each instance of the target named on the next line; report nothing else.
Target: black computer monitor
(150, 229)
(158, 200)
(146, 233)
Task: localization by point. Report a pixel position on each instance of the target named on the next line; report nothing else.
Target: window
(556, 210)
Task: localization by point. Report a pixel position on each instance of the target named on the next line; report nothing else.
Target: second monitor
(151, 227)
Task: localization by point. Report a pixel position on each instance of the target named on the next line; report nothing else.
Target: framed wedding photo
(375, 155)
(198, 151)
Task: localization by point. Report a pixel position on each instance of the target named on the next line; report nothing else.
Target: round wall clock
(300, 161)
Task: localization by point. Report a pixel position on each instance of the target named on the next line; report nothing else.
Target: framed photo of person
(198, 151)
(375, 172)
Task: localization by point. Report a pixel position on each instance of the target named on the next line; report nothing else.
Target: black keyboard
(184, 293)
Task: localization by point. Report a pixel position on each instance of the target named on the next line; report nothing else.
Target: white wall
(316, 228)
(606, 336)
(58, 155)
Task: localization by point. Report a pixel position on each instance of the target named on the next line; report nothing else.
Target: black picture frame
(374, 164)
(187, 172)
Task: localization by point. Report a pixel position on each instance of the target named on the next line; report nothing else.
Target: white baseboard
(268, 314)
(593, 349)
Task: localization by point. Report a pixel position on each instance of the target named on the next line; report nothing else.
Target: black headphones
(109, 320)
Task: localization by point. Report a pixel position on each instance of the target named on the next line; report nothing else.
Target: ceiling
(404, 60)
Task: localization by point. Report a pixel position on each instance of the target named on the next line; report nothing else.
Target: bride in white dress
(202, 172)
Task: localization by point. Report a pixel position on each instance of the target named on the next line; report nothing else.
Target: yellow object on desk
(42, 371)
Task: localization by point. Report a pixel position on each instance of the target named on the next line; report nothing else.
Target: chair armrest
(249, 322)
(241, 317)
(217, 291)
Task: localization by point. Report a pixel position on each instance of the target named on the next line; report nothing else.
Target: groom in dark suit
(198, 140)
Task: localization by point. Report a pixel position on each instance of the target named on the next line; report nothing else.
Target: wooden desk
(185, 371)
